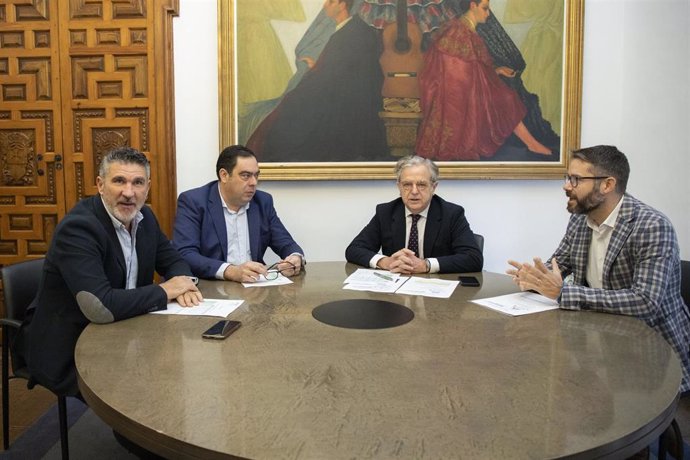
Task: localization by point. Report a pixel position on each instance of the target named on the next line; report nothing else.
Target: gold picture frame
(571, 107)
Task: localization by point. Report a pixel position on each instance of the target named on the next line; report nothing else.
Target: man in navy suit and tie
(419, 232)
(223, 228)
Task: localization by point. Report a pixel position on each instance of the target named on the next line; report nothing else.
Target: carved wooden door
(77, 78)
(32, 195)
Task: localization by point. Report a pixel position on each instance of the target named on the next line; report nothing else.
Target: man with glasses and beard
(419, 232)
(618, 255)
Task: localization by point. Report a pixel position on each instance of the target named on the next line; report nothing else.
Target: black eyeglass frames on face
(575, 180)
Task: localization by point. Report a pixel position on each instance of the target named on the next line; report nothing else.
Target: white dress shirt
(128, 243)
(601, 236)
(237, 230)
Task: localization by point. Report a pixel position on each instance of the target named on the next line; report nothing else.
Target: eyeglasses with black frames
(273, 271)
(575, 180)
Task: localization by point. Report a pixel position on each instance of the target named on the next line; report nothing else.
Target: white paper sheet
(368, 275)
(428, 287)
(364, 279)
(383, 286)
(520, 303)
(263, 282)
(209, 307)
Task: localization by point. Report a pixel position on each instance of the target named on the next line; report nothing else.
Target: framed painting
(341, 89)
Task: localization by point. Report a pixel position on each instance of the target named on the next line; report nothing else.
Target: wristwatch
(428, 265)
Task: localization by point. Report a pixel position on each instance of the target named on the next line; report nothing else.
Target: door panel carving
(77, 78)
(32, 194)
(18, 157)
(109, 91)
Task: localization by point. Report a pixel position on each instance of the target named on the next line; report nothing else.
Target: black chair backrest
(480, 241)
(20, 283)
(685, 281)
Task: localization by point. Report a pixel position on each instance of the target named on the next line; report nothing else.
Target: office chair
(480, 241)
(20, 283)
(671, 440)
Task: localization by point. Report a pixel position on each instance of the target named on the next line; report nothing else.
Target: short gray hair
(414, 160)
(124, 155)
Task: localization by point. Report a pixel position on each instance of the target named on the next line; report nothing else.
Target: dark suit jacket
(202, 239)
(85, 255)
(447, 236)
(332, 114)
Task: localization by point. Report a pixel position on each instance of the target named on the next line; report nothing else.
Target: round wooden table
(459, 380)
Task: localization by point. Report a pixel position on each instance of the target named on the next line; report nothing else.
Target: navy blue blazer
(202, 239)
(85, 256)
(447, 236)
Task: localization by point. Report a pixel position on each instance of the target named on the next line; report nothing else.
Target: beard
(127, 215)
(586, 204)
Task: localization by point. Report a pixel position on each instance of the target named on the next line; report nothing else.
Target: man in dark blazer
(223, 228)
(418, 232)
(100, 268)
(618, 254)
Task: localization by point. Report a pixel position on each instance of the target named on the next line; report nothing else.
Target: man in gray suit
(618, 255)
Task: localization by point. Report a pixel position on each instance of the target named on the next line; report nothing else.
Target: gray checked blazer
(641, 275)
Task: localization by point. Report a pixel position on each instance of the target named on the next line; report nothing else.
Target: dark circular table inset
(363, 314)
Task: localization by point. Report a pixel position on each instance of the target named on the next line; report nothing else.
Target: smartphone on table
(221, 329)
(469, 281)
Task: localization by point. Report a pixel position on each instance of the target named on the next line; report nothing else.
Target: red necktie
(413, 243)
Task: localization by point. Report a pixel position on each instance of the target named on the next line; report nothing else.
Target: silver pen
(385, 277)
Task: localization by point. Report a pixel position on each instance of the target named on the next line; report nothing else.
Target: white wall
(635, 96)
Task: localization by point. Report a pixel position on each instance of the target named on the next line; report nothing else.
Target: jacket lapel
(217, 213)
(621, 232)
(398, 219)
(580, 254)
(104, 218)
(254, 222)
(433, 225)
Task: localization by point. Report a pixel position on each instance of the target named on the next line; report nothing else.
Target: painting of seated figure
(341, 89)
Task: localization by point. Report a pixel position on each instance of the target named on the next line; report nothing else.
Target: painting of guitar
(401, 59)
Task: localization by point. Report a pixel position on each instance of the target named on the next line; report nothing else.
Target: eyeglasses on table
(273, 271)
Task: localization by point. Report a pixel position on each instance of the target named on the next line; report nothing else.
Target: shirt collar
(342, 24)
(423, 213)
(610, 221)
(243, 209)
